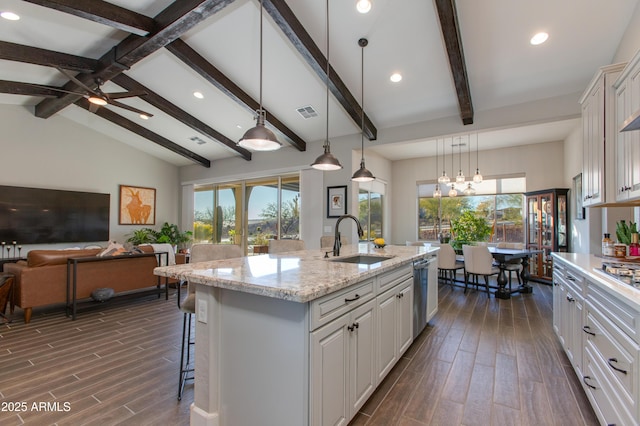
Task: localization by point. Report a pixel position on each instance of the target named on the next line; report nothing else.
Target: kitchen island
(296, 338)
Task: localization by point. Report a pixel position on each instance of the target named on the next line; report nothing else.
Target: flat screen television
(40, 216)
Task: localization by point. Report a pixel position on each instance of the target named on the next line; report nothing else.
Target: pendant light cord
(326, 143)
(363, 43)
(260, 107)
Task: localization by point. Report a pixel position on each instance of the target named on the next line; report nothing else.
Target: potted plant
(171, 234)
(142, 236)
(469, 228)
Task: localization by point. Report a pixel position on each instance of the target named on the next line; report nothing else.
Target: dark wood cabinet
(547, 229)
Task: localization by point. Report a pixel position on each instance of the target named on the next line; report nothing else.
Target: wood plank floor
(479, 362)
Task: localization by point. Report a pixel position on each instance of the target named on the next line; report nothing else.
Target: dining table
(504, 256)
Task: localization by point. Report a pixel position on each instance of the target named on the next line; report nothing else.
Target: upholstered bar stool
(199, 253)
(447, 264)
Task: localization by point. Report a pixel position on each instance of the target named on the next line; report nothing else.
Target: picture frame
(137, 205)
(577, 196)
(336, 201)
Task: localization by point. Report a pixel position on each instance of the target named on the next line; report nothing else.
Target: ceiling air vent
(197, 140)
(307, 112)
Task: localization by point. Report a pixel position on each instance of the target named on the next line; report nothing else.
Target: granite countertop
(591, 266)
(299, 276)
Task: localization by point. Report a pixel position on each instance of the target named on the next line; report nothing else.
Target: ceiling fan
(98, 98)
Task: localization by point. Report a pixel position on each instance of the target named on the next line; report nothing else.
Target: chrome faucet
(336, 242)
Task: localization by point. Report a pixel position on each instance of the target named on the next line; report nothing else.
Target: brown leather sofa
(42, 279)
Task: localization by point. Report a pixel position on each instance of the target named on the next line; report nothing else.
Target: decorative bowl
(379, 245)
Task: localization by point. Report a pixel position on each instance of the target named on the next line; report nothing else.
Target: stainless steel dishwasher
(422, 293)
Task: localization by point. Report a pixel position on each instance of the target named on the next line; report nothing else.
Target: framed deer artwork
(137, 205)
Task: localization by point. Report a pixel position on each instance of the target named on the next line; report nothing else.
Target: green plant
(142, 236)
(170, 233)
(624, 231)
(469, 228)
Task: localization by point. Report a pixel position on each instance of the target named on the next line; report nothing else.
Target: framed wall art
(137, 205)
(336, 201)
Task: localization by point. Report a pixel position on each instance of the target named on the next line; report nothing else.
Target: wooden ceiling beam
(145, 133)
(48, 58)
(453, 43)
(168, 108)
(104, 13)
(214, 76)
(302, 41)
(19, 88)
(178, 18)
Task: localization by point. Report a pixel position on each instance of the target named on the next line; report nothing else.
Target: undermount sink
(361, 259)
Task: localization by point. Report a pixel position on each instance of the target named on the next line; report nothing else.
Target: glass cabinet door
(533, 228)
(562, 239)
(546, 220)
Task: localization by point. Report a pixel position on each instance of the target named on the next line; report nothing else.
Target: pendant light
(452, 191)
(436, 192)
(259, 138)
(444, 179)
(469, 190)
(477, 178)
(362, 174)
(460, 177)
(327, 161)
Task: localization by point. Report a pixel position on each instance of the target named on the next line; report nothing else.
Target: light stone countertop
(299, 276)
(591, 266)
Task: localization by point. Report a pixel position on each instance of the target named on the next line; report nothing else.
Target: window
(370, 209)
(272, 211)
(500, 201)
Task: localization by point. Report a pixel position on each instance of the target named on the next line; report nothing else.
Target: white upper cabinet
(599, 136)
(627, 143)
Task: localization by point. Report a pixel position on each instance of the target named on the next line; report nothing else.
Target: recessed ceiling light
(395, 77)
(363, 6)
(144, 116)
(198, 95)
(539, 38)
(238, 126)
(10, 16)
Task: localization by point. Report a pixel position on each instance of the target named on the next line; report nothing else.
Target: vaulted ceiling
(456, 58)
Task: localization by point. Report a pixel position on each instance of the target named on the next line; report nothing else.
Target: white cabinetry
(627, 143)
(395, 322)
(342, 359)
(600, 333)
(352, 331)
(599, 135)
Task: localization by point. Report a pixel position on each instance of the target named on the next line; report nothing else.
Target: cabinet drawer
(335, 304)
(574, 281)
(621, 314)
(604, 400)
(393, 278)
(616, 354)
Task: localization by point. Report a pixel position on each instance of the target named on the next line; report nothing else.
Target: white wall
(543, 165)
(57, 153)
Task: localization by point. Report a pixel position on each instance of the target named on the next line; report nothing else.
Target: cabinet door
(593, 135)
(329, 373)
(387, 332)
(633, 140)
(362, 355)
(557, 304)
(405, 316)
(622, 111)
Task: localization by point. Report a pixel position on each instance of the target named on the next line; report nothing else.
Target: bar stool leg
(185, 354)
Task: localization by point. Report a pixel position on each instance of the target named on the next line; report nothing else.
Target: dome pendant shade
(326, 161)
(469, 190)
(477, 178)
(437, 193)
(259, 138)
(362, 174)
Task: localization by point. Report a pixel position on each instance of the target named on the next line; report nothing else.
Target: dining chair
(478, 261)
(514, 265)
(200, 252)
(282, 246)
(448, 266)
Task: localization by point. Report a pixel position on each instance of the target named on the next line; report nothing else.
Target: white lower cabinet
(599, 333)
(394, 325)
(356, 338)
(343, 360)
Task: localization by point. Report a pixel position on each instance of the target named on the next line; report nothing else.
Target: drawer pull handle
(587, 330)
(570, 278)
(356, 297)
(570, 299)
(610, 360)
(584, 380)
(353, 326)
